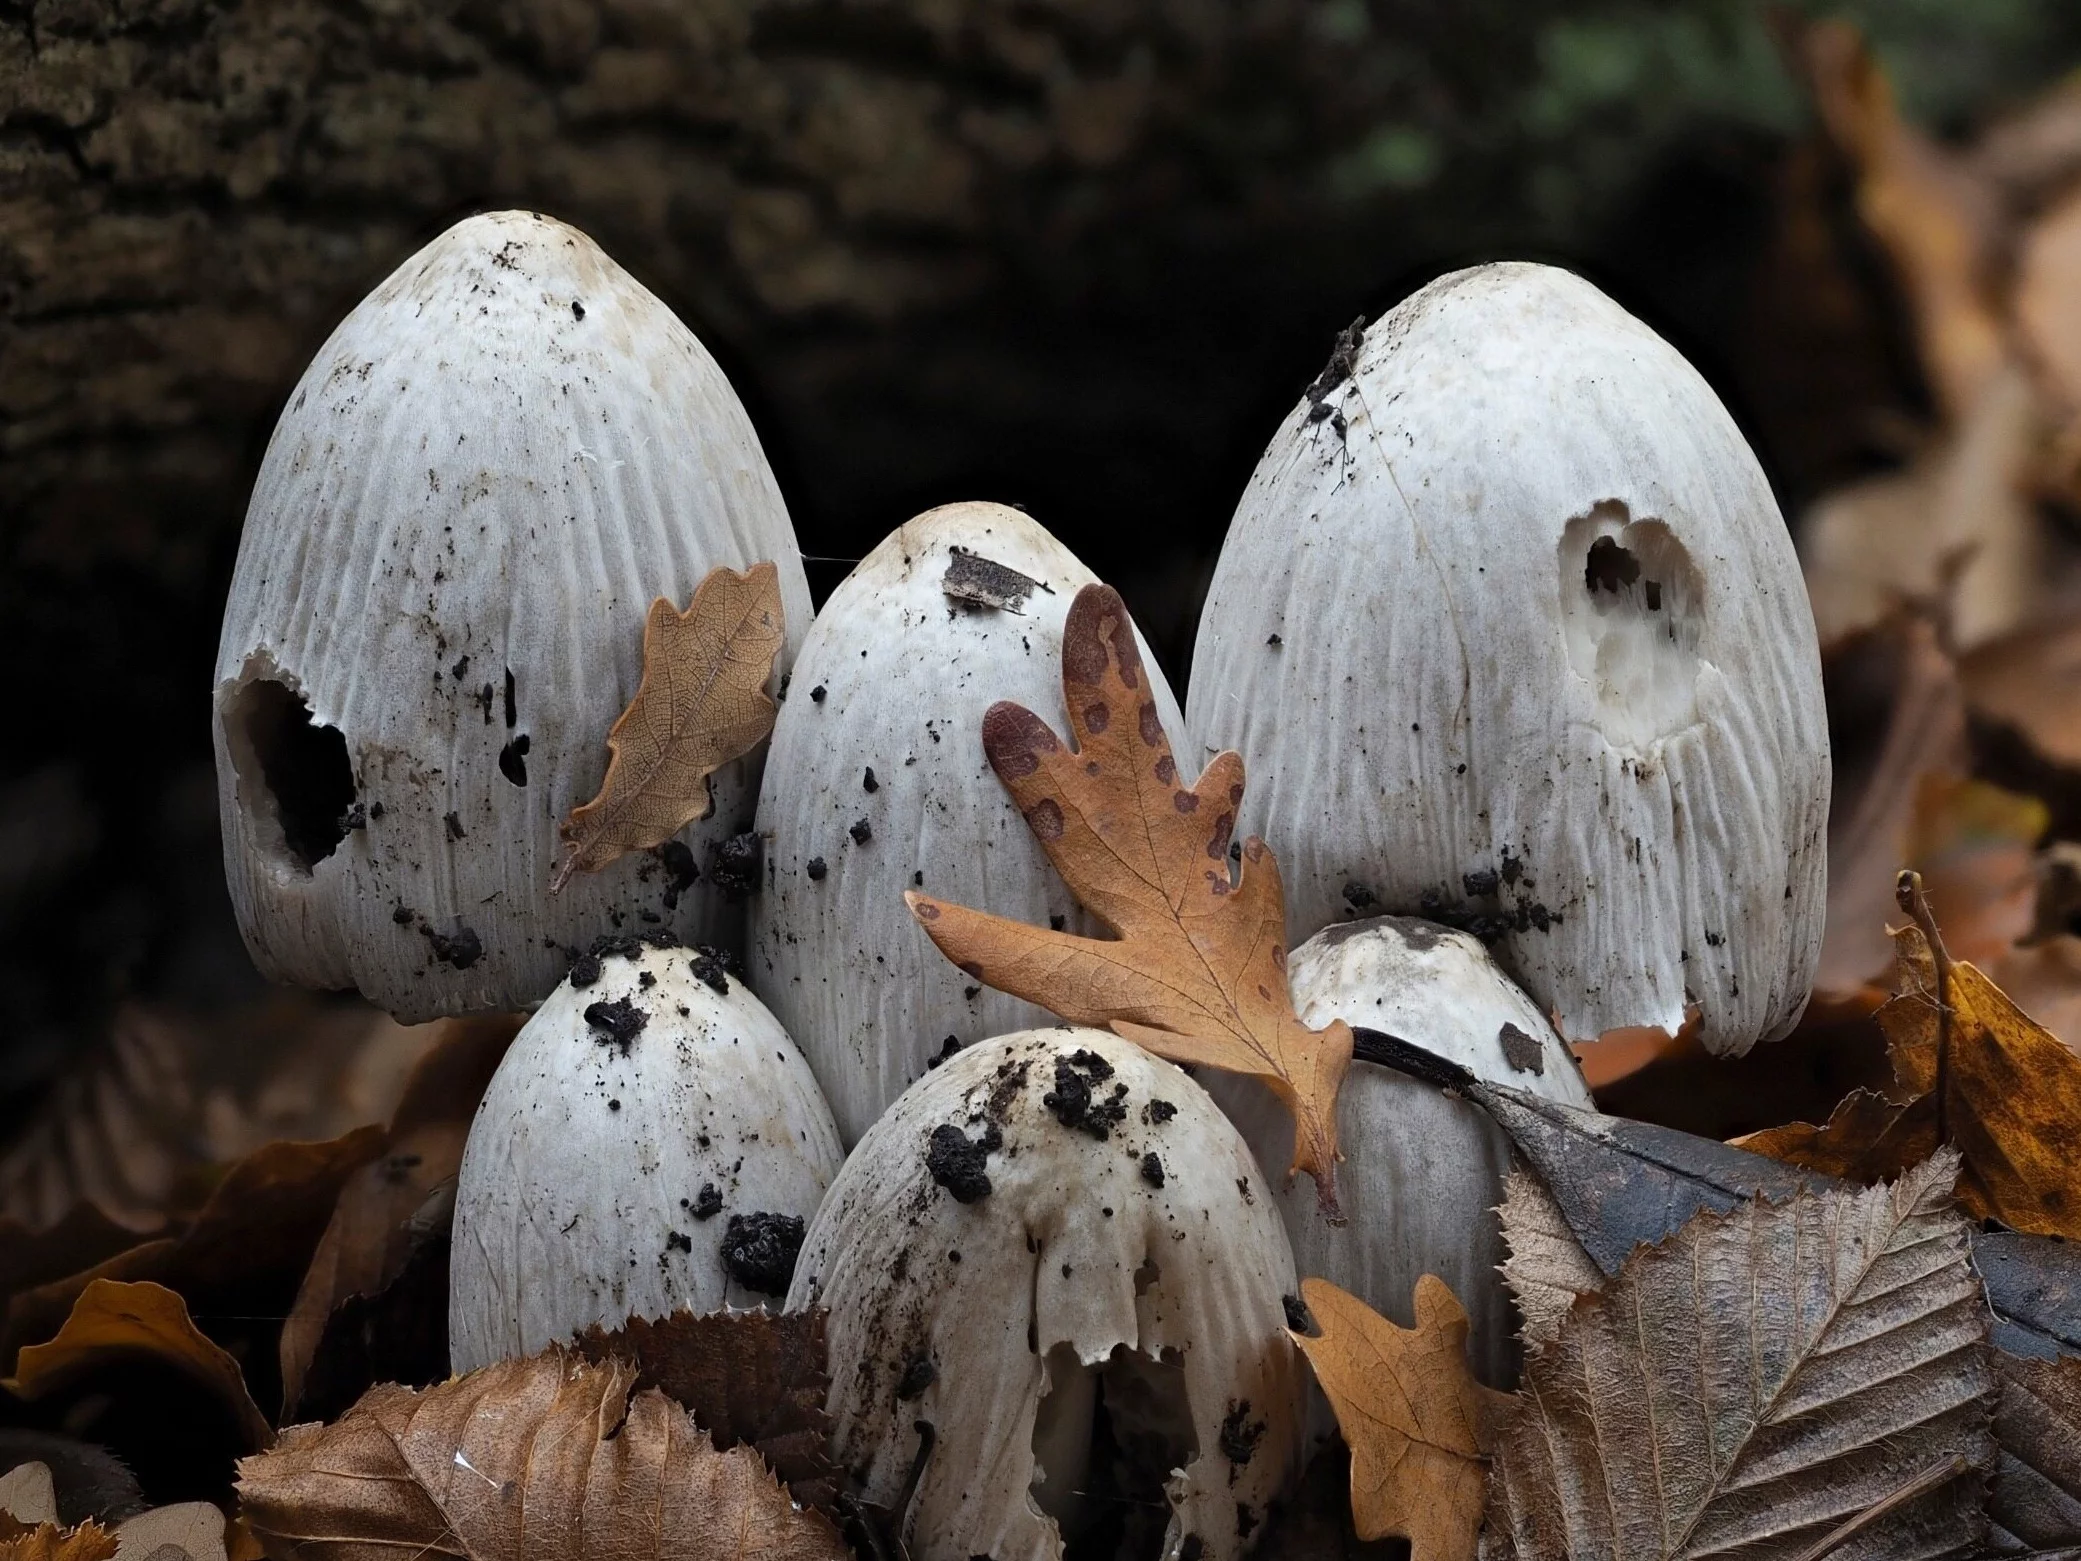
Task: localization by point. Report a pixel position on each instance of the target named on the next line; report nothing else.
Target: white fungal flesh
(1078, 1275)
(877, 783)
(1422, 1172)
(1509, 631)
(602, 1179)
(487, 474)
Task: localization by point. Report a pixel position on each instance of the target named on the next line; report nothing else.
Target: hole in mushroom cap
(1106, 1439)
(295, 780)
(1632, 612)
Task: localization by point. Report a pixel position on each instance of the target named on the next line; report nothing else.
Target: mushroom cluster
(1055, 1258)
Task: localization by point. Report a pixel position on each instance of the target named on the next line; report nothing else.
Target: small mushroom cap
(993, 1267)
(644, 1147)
(883, 728)
(1422, 1172)
(1510, 634)
(495, 464)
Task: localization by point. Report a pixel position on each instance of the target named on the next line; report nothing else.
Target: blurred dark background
(1079, 255)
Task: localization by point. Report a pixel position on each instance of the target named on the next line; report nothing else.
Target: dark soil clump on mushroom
(759, 1251)
(917, 1376)
(957, 1161)
(461, 948)
(733, 865)
(587, 967)
(1074, 1101)
(618, 1022)
(1240, 1434)
(712, 969)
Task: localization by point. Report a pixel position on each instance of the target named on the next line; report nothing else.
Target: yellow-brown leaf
(702, 703)
(1413, 1415)
(1196, 969)
(48, 1542)
(111, 1322)
(543, 1459)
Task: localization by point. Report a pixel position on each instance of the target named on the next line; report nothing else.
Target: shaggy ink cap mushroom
(1517, 640)
(956, 610)
(652, 1141)
(1425, 1170)
(495, 464)
(1102, 1354)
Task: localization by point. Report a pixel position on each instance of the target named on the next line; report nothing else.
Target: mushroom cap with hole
(877, 783)
(1423, 1171)
(649, 1143)
(1107, 1309)
(495, 464)
(1510, 634)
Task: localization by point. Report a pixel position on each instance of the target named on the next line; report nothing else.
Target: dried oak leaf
(2035, 1502)
(48, 1542)
(379, 1222)
(702, 703)
(756, 1379)
(1413, 1415)
(1196, 969)
(1977, 1073)
(545, 1459)
(1763, 1380)
(112, 1323)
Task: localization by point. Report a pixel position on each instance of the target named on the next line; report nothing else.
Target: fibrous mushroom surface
(652, 1141)
(1057, 1253)
(878, 783)
(1423, 1172)
(488, 473)
(1509, 633)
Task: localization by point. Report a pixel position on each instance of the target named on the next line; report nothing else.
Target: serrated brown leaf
(2035, 1502)
(1413, 1415)
(112, 1323)
(545, 1459)
(1976, 1073)
(1196, 968)
(48, 1542)
(702, 703)
(757, 1379)
(1758, 1381)
(1544, 1266)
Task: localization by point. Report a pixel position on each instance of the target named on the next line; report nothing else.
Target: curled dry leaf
(544, 1459)
(1196, 969)
(48, 1542)
(1977, 1073)
(1756, 1383)
(114, 1322)
(1413, 1415)
(702, 703)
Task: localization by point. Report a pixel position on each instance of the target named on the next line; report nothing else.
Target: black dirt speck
(618, 1022)
(1240, 1435)
(917, 1376)
(759, 1250)
(676, 1242)
(816, 869)
(1152, 1169)
(454, 822)
(461, 948)
(817, 693)
(1298, 1317)
(1342, 365)
(711, 970)
(957, 1161)
(356, 817)
(1158, 1112)
(707, 1204)
(681, 873)
(403, 914)
(1191, 1548)
(868, 783)
(733, 865)
(1481, 883)
(513, 759)
(1359, 897)
(947, 1049)
(862, 831)
(587, 967)
(1073, 1100)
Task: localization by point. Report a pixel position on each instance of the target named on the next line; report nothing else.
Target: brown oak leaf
(1416, 1420)
(545, 1459)
(1196, 969)
(702, 703)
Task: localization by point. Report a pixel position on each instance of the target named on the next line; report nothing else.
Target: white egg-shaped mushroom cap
(877, 783)
(652, 1141)
(1422, 1172)
(495, 464)
(1510, 634)
(1049, 1227)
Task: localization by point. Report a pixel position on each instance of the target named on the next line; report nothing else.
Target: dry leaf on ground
(28, 1495)
(48, 1542)
(1196, 970)
(702, 703)
(753, 1378)
(185, 1531)
(1544, 1265)
(1758, 1381)
(1413, 1415)
(1977, 1074)
(112, 1323)
(2035, 1502)
(544, 1459)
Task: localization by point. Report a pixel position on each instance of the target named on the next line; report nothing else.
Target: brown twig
(1907, 891)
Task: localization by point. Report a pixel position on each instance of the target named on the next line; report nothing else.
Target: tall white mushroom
(1057, 1254)
(1509, 632)
(651, 1141)
(1423, 1172)
(487, 474)
(878, 783)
